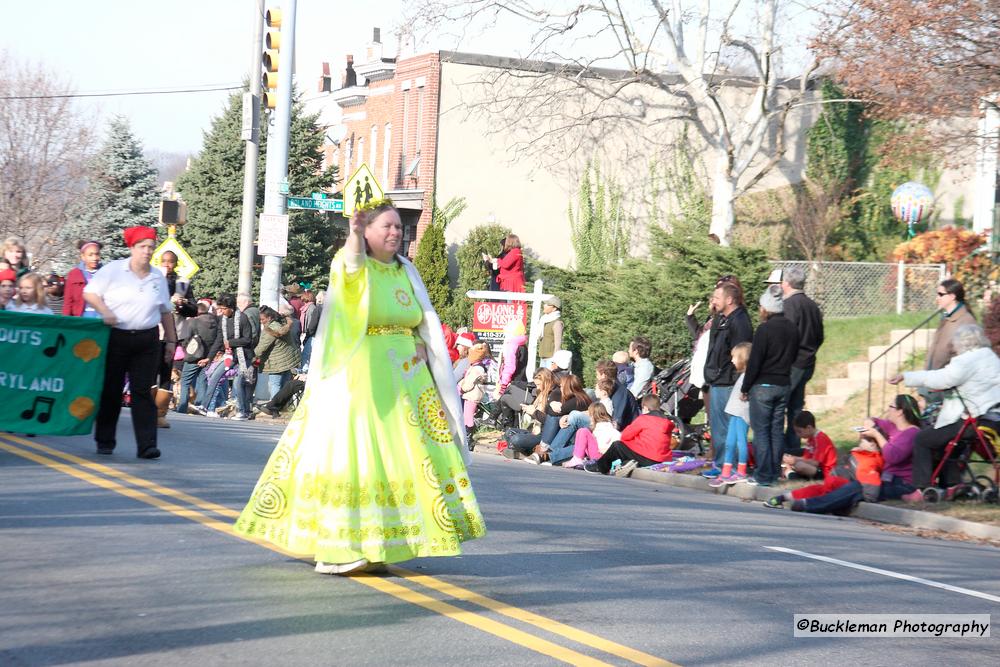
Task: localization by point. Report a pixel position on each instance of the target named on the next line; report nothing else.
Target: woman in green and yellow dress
(372, 467)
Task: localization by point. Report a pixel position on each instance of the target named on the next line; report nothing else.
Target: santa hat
(465, 339)
(135, 234)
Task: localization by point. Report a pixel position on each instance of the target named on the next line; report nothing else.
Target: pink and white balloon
(911, 203)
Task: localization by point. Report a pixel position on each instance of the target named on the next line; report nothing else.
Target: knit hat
(514, 328)
(8, 274)
(466, 339)
(478, 352)
(771, 300)
(563, 359)
(135, 234)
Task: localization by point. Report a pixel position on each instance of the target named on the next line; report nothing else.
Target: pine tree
(213, 190)
(122, 192)
(432, 254)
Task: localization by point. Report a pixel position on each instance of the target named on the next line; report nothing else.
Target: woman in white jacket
(974, 372)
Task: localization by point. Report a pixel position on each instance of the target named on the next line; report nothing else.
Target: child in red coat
(818, 457)
(643, 442)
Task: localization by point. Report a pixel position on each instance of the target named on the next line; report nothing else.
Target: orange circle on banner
(81, 407)
(87, 349)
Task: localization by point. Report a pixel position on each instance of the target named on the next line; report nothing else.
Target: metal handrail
(889, 349)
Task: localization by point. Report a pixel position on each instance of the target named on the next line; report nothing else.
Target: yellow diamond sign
(360, 189)
(186, 267)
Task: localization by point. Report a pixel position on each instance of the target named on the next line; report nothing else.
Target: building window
(374, 148)
(420, 131)
(348, 156)
(406, 124)
(386, 144)
(361, 152)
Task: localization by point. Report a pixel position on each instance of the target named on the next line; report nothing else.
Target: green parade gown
(368, 466)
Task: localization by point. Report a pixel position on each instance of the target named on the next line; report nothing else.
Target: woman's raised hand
(358, 222)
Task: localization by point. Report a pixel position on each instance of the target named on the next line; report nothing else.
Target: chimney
(350, 76)
(325, 80)
(374, 51)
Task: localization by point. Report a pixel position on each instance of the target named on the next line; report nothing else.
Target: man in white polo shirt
(134, 300)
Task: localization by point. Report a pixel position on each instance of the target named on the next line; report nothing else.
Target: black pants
(163, 380)
(619, 450)
(510, 403)
(289, 389)
(928, 448)
(138, 354)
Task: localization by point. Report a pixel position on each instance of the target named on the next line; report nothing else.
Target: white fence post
(536, 315)
(900, 286)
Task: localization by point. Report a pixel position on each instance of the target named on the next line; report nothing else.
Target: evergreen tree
(122, 192)
(432, 254)
(213, 190)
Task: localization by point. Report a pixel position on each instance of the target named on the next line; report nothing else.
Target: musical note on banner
(52, 350)
(46, 414)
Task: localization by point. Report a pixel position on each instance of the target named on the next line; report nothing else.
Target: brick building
(389, 112)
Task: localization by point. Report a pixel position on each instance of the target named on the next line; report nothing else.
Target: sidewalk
(870, 511)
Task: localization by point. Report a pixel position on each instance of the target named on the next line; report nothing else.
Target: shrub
(472, 272)
(991, 321)
(946, 245)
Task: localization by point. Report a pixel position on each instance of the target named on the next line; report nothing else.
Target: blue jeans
(838, 500)
(736, 440)
(205, 390)
(894, 488)
(244, 394)
(767, 418)
(561, 447)
(718, 420)
(276, 381)
(189, 378)
(307, 350)
(796, 401)
(550, 429)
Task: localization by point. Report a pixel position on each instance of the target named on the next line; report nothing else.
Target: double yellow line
(206, 513)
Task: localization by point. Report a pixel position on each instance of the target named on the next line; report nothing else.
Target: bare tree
(45, 143)
(661, 63)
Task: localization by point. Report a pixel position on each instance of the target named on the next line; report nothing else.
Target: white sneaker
(238, 418)
(625, 469)
(340, 568)
(212, 413)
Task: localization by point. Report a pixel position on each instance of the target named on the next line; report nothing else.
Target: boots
(162, 399)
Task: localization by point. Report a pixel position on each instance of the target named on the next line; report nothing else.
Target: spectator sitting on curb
(646, 441)
(817, 458)
(860, 479)
(278, 402)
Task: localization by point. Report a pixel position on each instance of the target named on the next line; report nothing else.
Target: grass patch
(848, 340)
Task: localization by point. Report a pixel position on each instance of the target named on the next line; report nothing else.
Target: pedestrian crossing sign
(186, 267)
(360, 189)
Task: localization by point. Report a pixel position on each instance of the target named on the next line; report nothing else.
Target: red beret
(8, 274)
(135, 234)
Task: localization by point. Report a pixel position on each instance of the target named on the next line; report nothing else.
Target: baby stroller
(977, 441)
(681, 401)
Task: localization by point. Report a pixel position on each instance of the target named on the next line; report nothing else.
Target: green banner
(51, 373)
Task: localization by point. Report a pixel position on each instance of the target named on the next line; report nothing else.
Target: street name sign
(308, 203)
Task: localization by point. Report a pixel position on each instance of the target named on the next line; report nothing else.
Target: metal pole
(276, 165)
(252, 146)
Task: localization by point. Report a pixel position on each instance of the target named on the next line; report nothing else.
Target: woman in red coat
(511, 265)
(77, 279)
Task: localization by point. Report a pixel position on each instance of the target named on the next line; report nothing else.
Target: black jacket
(727, 333)
(312, 320)
(775, 346)
(206, 326)
(187, 308)
(807, 318)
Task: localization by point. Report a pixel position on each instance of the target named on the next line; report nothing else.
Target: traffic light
(272, 48)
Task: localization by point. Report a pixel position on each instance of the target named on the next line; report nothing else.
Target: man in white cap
(807, 318)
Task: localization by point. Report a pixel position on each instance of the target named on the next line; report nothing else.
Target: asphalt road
(112, 560)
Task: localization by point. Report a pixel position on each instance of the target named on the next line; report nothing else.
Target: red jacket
(73, 303)
(649, 436)
(511, 276)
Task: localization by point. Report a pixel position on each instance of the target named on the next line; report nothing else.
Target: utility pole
(276, 165)
(251, 139)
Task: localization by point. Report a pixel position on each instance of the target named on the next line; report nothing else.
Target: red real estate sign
(490, 317)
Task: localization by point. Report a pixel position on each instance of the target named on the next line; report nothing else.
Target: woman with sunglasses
(895, 435)
(950, 300)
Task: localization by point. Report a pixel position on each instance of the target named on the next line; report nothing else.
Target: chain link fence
(855, 289)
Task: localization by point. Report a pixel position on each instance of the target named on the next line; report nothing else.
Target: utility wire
(168, 91)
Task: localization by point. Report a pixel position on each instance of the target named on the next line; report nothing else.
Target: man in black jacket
(807, 318)
(200, 349)
(730, 327)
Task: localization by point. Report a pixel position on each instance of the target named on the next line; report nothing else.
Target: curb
(869, 511)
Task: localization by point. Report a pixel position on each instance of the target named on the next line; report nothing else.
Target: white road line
(889, 573)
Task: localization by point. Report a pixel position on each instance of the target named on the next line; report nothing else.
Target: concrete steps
(839, 390)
